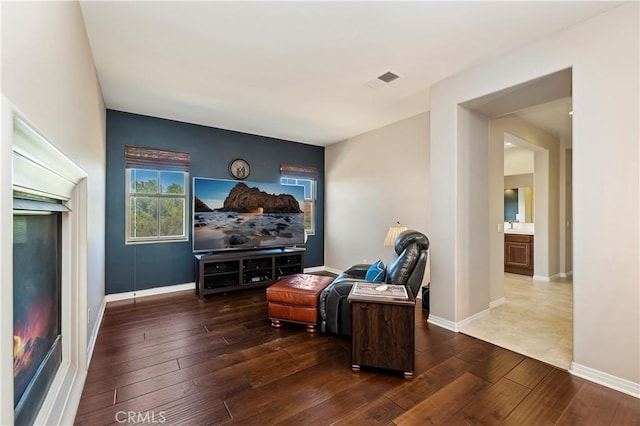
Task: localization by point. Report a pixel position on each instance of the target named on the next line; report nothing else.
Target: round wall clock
(239, 168)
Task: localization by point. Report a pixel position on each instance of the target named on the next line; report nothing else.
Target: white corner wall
(603, 53)
(48, 74)
(372, 181)
(472, 197)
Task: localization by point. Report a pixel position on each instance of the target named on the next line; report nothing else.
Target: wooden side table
(382, 330)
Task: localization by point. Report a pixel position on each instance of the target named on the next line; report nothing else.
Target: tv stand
(236, 270)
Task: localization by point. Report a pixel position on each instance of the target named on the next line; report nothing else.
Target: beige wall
(518, 161)
(518, 181)
(566, 212)
(372, 181)
(49, 75)
(603, 53)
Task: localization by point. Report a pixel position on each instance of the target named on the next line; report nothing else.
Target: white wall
(372, 181)
(472, 197)
(603, 53)
(49, 75)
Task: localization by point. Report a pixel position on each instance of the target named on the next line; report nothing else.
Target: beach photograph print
(244, 215)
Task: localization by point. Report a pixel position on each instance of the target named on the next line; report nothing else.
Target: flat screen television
(237, 215)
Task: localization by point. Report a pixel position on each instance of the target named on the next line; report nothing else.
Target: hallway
(536, 320)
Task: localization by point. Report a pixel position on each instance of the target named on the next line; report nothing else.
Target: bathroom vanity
(518, 253)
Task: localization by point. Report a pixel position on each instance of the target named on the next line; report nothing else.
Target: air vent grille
(388, 77)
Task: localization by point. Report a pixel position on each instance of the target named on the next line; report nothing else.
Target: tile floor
(536, 320)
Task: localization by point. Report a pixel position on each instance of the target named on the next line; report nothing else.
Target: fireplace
(44, 280)
(37, 337)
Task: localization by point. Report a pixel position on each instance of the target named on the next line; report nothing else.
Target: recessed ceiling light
(507, 144)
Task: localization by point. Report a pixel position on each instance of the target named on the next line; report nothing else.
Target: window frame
(158, 195)
(313, 199)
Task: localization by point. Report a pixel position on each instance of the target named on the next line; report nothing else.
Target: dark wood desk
(382, 332)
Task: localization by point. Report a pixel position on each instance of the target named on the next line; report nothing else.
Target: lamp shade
(393, 233)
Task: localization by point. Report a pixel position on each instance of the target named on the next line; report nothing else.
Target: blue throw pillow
(376, 272)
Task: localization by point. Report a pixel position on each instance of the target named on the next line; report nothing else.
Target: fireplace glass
(37, 351)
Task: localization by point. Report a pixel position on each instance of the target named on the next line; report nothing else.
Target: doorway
(531, 315)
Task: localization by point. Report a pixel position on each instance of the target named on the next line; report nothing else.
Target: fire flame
(27, 333)
(18, 345)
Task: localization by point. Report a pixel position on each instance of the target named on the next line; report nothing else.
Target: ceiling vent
(381, 80)
(388, 77)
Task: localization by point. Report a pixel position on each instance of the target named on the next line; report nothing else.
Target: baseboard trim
(566, 274)
(332, 270)
(549, 278)
(444, 323)
(94, 333)
(315, 269)
(498, 302)
(149, 292)
(472, 318)
(625, 386)
(542, 278)
(456, 326)
(181, 287)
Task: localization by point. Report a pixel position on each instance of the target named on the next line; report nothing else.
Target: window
(309, 207)
(156, 195)
(307, 178)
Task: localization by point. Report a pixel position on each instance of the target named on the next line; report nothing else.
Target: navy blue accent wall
(141, 266)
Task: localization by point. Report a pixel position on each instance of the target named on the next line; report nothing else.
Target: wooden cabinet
(518, 254)
(382, 333)
(228, 271)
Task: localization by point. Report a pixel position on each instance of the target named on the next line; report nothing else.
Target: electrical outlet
(364, 260)
(88, 315)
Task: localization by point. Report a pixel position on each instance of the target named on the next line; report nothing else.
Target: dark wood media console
(235, 270)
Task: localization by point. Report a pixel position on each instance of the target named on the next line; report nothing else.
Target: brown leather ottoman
(295, 299)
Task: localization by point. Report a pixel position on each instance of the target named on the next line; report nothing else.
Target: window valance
(149, 158)
(298, 171)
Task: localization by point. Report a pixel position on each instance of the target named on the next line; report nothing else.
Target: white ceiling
(301, 70)
(553, 117)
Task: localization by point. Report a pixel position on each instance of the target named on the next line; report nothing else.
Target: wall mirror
(518, 204)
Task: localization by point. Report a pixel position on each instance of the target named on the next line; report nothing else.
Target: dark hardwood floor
(175, 359)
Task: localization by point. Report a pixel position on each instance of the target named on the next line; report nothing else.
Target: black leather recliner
(405, 268)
